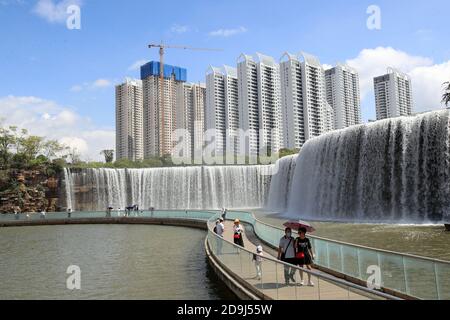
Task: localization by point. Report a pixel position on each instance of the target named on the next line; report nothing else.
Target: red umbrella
(295, 225)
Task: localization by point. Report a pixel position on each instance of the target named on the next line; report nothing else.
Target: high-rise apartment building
(191, 101)
(222, 107)
(259, 103)
(160, 107)
(393, 95)
(129, 121)
(305, 112)
(343, 95)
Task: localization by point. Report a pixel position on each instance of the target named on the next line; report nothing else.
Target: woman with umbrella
(303, 248)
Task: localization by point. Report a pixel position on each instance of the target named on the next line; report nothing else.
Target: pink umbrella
(295, 225)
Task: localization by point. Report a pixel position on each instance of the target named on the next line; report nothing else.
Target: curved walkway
(240, 263)
(272, 283)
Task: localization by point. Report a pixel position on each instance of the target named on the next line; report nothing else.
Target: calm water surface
(117, 262)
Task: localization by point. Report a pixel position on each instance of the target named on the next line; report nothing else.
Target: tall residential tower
(343, 95)
(222, 108)
(305, 111)
(259, 103)
(160, 112)
(129, 121)
(393, 95)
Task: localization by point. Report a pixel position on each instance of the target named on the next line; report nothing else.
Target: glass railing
(271, 279)
(169, 214)
(414, 276)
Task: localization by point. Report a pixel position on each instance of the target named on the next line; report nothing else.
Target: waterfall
(180, 188)
(396, 170)
(280, 185)
(68, 184)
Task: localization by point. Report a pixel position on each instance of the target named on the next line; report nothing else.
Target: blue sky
(67, 75)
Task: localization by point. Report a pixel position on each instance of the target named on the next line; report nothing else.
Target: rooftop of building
(152, 68)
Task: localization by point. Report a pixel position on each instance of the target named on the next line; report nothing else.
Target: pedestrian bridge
(341, 270)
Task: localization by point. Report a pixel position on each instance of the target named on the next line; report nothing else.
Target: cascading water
(169, 188)
(396, 170)
(280, 185)
(69, 189)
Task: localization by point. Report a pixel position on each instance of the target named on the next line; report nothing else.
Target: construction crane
(162, 48)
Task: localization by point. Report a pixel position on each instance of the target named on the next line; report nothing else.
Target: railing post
(406, 276)
(436, 280)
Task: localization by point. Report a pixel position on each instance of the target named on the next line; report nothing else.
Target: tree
(53, 149)
(74, 156)
(446, 95)
(7, 141)
(109, 155)
(31, 146)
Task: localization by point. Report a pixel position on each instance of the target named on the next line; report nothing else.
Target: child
(258, 261)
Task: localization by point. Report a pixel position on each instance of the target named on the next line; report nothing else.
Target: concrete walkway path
(272, 283)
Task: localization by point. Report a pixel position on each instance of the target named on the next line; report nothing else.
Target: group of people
(293, 251)
(296, 252)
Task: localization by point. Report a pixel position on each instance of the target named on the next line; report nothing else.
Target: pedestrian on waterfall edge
(304, 254)
(286, 253)
(238, 231)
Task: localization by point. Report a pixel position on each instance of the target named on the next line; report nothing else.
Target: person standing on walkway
(286, 253)
(257, 257)
(304, 254)
(238, 232)
(69, 213)
(219, 230)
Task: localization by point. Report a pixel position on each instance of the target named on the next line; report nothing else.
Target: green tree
(446, 95)
(7, 141)
(52, 148)
(31, 146)
(109, 155)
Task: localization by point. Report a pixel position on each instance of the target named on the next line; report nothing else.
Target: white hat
(259, 249)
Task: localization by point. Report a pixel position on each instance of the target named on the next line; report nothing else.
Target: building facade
(160, 107)
(259, 104)
(190, 116)
(343, 95)
(393, 95)
(305, 111)
(222, 108)
(129, 121)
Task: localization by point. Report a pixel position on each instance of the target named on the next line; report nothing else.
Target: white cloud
(227, 32)
(137, 65)
(427, 77)
(47, 118)
(176, 28)
(97, 84)
(101, 83)
(54, 12)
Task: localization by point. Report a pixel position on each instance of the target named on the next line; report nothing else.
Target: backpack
(215, 229)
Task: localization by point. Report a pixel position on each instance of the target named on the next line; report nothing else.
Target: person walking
(286, 253)
(69, 213)
(238, 231)
(304, 254)
(258, 258)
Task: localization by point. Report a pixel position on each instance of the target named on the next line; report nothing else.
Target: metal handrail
(311, 272)
(351, 244)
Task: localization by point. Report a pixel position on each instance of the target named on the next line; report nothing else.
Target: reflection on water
(427, 240)
(117, 262)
